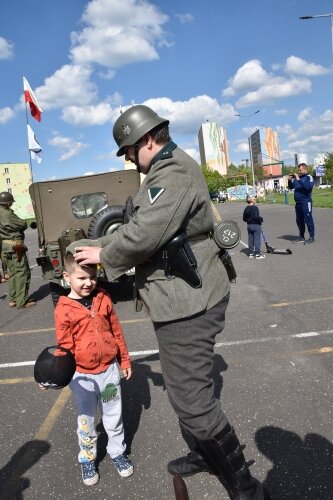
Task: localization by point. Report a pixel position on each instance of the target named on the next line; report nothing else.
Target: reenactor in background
(14, 253)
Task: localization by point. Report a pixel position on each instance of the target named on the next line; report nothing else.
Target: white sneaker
(251, 255)
(259, 256)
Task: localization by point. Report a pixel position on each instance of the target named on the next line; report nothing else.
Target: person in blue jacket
(302, 183)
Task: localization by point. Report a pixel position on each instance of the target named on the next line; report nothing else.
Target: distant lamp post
(323, 15)
(247, 116)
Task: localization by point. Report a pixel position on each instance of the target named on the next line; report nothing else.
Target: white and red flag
(34, 146)
(36, 110)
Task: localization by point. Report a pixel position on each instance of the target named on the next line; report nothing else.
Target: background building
(265, 153)
(213, 147)
(16, 179)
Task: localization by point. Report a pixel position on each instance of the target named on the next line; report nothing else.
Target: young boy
(87, 324)
(252, 217)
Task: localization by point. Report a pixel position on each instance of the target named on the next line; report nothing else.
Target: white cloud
(277, 88)
(98, 114)
(187, 116)
(281, 112)
(118, 33)
(248, 76)
(242, 147)
(67, 146)
(6, 114)
(304, 114)
(68, 86)
(6, 49)
(185, 18)
(313, 135)
(301, 67)
(193, 153)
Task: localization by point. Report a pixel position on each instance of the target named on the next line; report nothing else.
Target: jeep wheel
(106, 221)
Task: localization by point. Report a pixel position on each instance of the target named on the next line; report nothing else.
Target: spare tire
(106, 221)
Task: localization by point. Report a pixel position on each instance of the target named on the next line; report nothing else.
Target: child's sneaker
(90, 475)
(123, 465)
(251, 255)
(260, 256)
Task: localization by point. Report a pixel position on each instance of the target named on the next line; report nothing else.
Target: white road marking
(218, 344)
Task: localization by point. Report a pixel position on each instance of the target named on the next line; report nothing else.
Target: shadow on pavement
(302, 469)
(288, 237)
(12, 480)
(136, 397)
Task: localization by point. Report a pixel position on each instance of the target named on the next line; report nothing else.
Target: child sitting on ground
(87, 324)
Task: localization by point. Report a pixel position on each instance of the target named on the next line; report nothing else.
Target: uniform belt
(199, 237)
(13, 242)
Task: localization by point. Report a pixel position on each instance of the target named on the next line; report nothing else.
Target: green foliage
(328, 168)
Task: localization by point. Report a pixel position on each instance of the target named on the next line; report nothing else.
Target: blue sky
(190, 60)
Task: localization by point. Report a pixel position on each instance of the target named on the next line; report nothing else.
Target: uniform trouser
(186, 350)
(303, 211)
(19, 278)
(3, 261)
(254, 238)
(89, 390)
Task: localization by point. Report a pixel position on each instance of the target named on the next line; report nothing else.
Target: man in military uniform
(186, 295)
(14, 253)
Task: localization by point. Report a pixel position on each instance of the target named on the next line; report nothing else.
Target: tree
(329, 168)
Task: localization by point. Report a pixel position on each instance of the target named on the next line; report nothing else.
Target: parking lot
(273, 373)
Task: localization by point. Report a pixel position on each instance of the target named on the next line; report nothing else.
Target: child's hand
(42, 387)
(127, 372)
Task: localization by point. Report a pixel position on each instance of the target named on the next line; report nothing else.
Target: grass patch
(321, 198)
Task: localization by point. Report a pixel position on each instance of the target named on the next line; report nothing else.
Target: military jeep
(67, 210)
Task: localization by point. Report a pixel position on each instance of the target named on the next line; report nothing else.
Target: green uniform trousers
(19, 278)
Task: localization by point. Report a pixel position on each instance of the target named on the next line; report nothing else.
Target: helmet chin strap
(136, 157)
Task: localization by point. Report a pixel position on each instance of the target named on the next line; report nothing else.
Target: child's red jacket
(94, 336)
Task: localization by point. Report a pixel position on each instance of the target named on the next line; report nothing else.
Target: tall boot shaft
(225, 454)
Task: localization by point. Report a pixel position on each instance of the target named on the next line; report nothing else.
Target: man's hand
(87, 255)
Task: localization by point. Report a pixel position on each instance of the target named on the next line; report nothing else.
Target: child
(252, 217)
(86, 324)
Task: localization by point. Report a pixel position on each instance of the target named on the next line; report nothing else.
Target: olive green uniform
(12, 233)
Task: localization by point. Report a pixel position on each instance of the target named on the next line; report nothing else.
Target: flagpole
(27, 123)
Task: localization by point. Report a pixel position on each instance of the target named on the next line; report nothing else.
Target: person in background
(87, 324)
(14, 253)
(184, 287)
(302, 183)
(253, 219)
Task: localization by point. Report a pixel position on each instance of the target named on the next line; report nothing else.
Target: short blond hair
(70, 264)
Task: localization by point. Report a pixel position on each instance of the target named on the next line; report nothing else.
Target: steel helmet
(6, 198)
(133, 124)
(54, 370)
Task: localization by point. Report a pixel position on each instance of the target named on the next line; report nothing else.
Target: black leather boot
(225, 454)
(189, 465)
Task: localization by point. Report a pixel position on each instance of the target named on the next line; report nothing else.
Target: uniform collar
(165, 152)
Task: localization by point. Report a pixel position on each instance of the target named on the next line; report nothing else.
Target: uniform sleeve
(63, 331)
(156, 221)
(12, 222)
(123, 356)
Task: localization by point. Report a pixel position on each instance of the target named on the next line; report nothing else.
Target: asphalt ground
(273, 373)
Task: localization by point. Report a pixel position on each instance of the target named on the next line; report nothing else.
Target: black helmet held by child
(54, 370)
